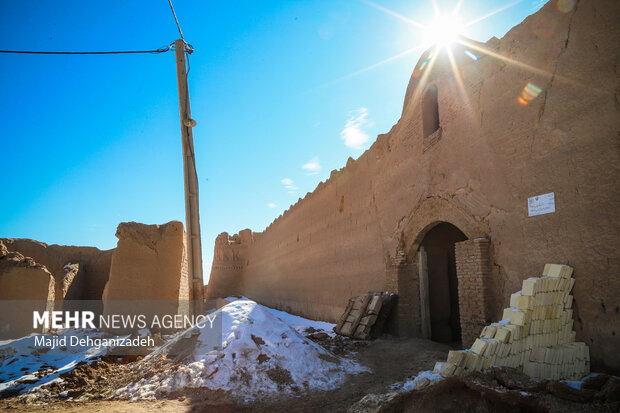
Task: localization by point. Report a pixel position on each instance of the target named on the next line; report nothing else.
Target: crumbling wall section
(230, 257)
(22, 279)
(94, 266)
(147, 269)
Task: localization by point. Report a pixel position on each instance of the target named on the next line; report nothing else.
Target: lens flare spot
(443, 31)
(471, 55)
(529, 93)
(566, 5)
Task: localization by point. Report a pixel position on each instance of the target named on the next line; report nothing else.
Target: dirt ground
(391, 360)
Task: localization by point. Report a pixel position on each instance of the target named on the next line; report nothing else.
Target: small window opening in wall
(430, 111)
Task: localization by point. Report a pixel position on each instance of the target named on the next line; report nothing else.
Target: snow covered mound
(261, 355)
(23, 367)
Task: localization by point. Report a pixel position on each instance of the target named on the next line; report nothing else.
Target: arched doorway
(439, 279)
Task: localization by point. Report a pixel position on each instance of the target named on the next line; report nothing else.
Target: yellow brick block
(531, 368)
(563, 284)
(557, 271)
(529, 286)
(472, 361)
(524, 302)
(447, 369)
(555, 283)
(503, 334)
(488, 331)
(516, 316)
(479, 346)
(491, 349)
(437, 367)
(538, 354)
(457, 358)
(516, 332)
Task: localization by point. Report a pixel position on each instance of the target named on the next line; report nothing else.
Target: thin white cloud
(353, 133)
(312, 167)
(289, 184)
(271, 205)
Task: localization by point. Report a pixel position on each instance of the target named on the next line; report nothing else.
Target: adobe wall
(149, 272)
(230, 256)
(94, 264)
(25, 286)
(360, 230)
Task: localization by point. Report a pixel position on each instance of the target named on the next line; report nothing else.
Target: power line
(176, 20)
(189, 49)
(156, 51)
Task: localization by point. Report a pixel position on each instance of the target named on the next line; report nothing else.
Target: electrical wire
(189, 49)
(176, 20)
(156, 51)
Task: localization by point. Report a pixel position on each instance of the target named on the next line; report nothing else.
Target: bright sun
(443, 31)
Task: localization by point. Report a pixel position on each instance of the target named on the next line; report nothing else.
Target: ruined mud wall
(22, 280)
(149, 272)
(230, 256)
(94, 264)
(476, 172)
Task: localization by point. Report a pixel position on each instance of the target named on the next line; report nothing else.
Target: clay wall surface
(230, 256)
(94, 266)
(148, 264)
(22, 279)
(477, 172)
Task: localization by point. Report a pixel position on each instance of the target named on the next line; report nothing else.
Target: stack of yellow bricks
(535, 336)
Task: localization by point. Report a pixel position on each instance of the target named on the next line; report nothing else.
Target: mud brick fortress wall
(460, 164)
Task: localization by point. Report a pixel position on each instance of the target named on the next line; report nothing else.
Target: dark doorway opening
(443, 294)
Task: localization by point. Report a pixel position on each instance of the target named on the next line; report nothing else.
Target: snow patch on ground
(262, 354)
(576, 384)
(418, 382)
(24, 368)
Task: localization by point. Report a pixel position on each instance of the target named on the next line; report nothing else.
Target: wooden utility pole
(192, 218)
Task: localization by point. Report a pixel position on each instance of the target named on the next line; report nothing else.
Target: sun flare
(443, 31)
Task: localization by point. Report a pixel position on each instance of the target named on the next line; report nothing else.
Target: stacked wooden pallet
(535, 336)
(365, 315)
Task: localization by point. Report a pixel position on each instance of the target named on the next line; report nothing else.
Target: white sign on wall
(541, 204)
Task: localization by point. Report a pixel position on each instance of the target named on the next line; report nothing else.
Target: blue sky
(277, 88)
